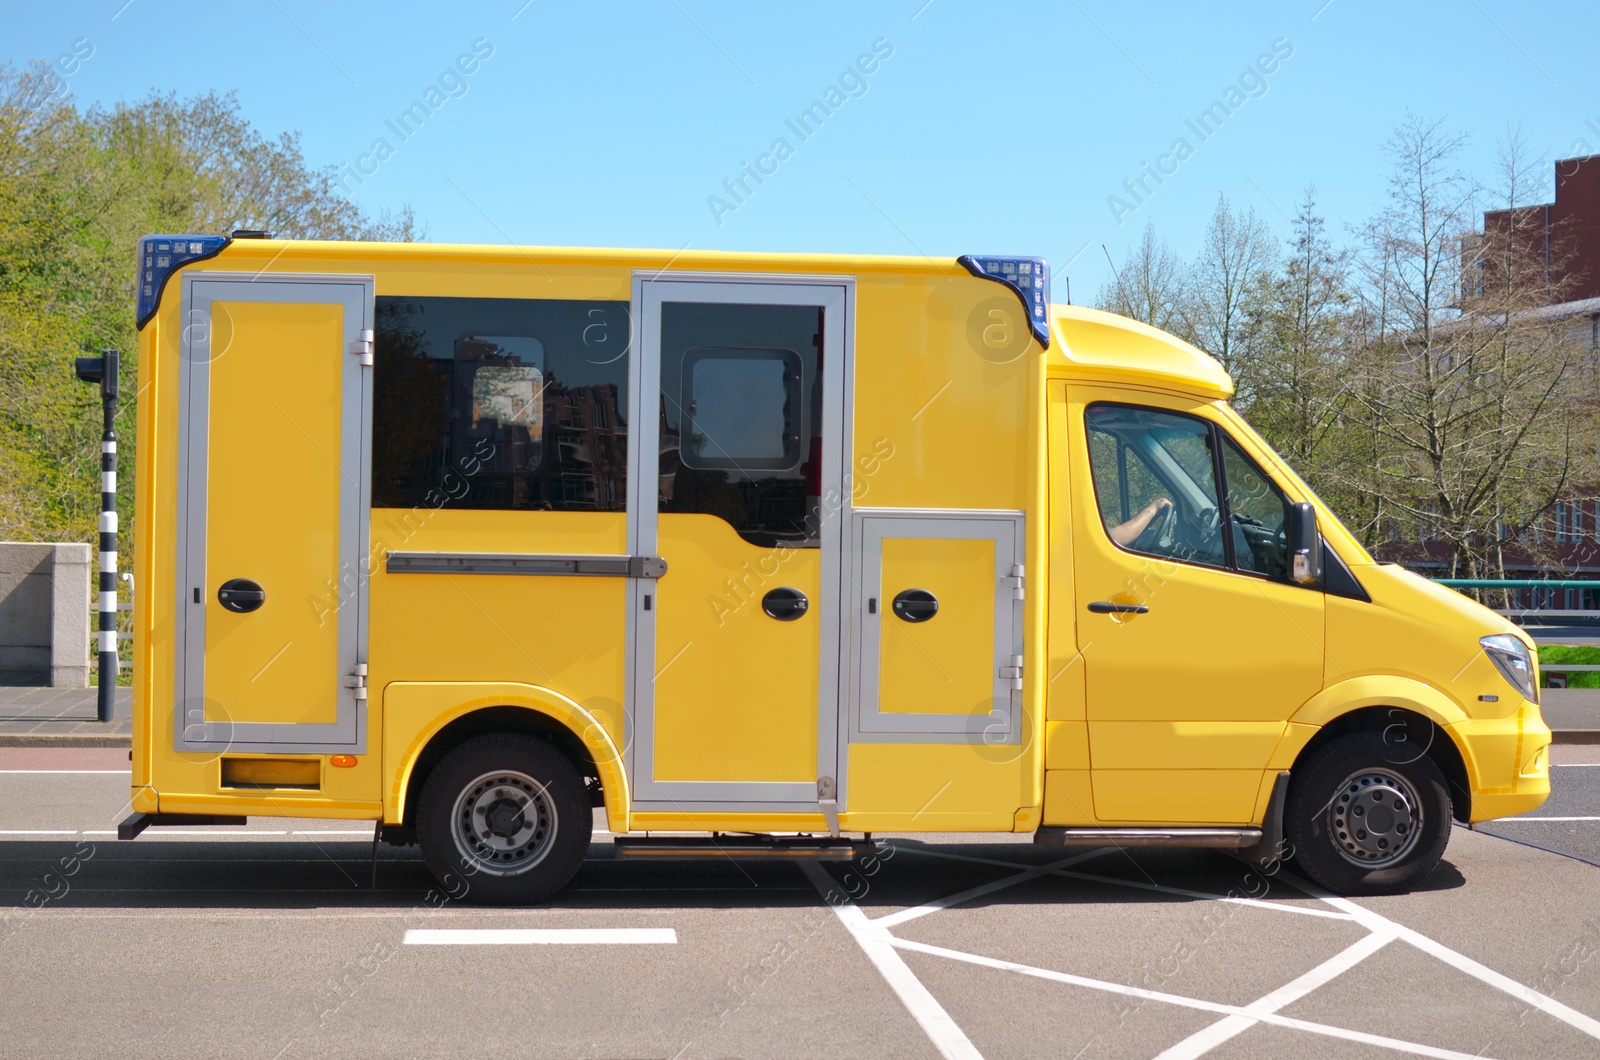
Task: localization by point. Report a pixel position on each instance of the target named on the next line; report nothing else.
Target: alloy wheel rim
(504, 822)
(1375, 818)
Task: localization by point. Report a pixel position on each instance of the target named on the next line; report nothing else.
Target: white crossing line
(895, 919)
(1459, 961)
(878, 945)
(1185, 1002)
(1207, 1039)
(1276, 907)
(1530, 818)
(541, 936)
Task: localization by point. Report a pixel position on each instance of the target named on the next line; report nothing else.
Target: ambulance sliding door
(275, 411)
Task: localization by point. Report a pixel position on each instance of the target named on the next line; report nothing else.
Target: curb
(61, 739)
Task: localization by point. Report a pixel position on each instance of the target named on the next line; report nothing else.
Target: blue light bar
(1028, 277)
(160, 257)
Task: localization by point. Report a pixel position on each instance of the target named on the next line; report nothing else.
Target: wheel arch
(423, 721)
(1396, 717)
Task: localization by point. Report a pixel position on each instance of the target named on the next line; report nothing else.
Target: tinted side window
(500, 403)
(1154, 483)
(741, 417)
(1259, 511)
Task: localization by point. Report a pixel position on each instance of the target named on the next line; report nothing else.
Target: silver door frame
(869, 527)
(190, 730)
(836, 296)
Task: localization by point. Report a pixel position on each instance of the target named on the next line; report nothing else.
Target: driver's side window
(1155, 482)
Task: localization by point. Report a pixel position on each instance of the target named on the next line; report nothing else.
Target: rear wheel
(504, 819)
(1368, 814)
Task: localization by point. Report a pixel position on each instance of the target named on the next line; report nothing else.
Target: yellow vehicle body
(953, 461)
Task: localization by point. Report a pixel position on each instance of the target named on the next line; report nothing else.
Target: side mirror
(1305, 545)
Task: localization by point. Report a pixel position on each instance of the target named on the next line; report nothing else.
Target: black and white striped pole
(103, 370)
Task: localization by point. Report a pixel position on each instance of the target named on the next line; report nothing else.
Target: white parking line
(1185, 1002)
(878, 945)
(895, 919)
(1203, 1041)
(1459, 961)
(1530, 817)
(541, 937)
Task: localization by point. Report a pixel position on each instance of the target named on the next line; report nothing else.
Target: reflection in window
(1259, 511)
(741, 409)
(515, 403)
(741, 417)
(1154, 483)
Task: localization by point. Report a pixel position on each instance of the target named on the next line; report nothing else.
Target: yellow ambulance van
(767, 553)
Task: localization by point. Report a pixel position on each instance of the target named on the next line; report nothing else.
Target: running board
(741, 846)
(1222, 838)
(130, 828)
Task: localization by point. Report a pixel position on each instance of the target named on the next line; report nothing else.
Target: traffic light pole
(104, 370)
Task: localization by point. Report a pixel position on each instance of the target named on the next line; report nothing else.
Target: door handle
(1106, 607)
(241, 595)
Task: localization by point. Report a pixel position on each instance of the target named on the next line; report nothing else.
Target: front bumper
(1508, 762)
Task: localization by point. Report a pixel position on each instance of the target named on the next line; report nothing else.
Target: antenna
(1120, 292)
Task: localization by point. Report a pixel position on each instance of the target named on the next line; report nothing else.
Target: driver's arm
(1126, 533)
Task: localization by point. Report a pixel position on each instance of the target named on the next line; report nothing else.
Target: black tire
(504, 820)
(1360, 778)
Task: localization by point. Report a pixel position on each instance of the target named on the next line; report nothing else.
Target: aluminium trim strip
(547, 564)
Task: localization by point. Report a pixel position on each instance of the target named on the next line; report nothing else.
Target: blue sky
(991, 128)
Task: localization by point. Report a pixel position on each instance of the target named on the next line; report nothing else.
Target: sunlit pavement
(270, 941)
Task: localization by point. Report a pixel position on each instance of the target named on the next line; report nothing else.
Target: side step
(1222, 838)
(817, 848)
(130, 828)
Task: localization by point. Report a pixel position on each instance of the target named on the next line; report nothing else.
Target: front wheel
(504, 819)
(1368, 815)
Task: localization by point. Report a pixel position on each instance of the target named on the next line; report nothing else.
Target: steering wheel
(1159, 534)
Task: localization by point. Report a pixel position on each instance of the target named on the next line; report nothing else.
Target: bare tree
(1231, 273)
(1297, 353)
(1464, 397)
(1151, 286)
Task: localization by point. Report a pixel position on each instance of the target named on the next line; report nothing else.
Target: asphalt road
(270, 942)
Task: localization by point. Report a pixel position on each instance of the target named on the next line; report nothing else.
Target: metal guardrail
(1519, 583)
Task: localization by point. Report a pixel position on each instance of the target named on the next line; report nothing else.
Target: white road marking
(894, 919)
(1459, 961)
(1522, 820)
(36, 831)
(1276, 907)
(334, 831)
(65, 772)
(541, 937)
(878, 945)
(1203, 1041)
(1185, 1002)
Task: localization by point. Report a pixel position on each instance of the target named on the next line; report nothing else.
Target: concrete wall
(44, 614)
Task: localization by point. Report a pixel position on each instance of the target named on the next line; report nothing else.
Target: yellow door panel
(1068, 798)
(915, 671)
(273, 493)
(1066, 745)
(1195, 646)
(1178, 744)
(1177, 796)
(736, 689)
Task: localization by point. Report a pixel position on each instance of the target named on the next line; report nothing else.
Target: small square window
(741, 409)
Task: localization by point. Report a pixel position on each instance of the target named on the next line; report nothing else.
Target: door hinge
(828, 803)
(1013, 673)
(1014, 582)
(363, 347)
(357, 682)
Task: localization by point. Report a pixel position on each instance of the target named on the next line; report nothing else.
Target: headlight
(1510, 657)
